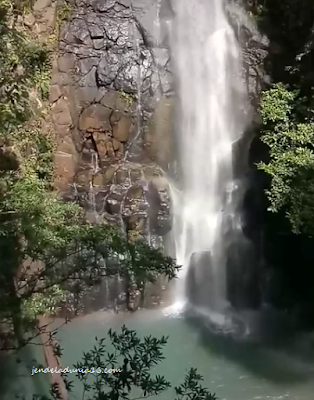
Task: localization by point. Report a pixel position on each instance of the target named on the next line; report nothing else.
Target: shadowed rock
(200, 279)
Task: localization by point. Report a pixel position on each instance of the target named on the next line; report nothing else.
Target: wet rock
(101, 140)
(135, 175)
(98, 180)
(135, 192)
(159, 201)
(131, 76)
(243, 274)
(110, 149)
(109, 174)
(199, 283)
(122, 175)
(137, 201)
(121, 298)
(95, 118)
(113, 202)
(84, 178)
(116, 144)
(146, 11)
(159, 137)
(126, 70)
(254, 50)
(87, 159)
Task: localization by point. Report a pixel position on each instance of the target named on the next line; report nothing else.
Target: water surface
(234, 370)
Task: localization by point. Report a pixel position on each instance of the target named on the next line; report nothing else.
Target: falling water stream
(211, 98)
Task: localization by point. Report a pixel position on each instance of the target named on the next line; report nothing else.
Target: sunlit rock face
(112, 73)
(112, 107)
(113, 98)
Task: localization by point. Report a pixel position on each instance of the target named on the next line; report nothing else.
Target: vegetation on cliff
(291, 167)
(49, 253)
(286, 132)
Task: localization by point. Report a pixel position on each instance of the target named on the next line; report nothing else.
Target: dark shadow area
(285, 274)
(270, 355)
(6, 364)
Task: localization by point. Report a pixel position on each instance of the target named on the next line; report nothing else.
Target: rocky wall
(245, 252)
(111, 103)
(254, 52)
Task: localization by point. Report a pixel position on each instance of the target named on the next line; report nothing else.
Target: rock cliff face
(111, 95)
(112, 101)
(245, 254)
(254, 46)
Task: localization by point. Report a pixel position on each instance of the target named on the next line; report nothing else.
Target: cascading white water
(207, 65)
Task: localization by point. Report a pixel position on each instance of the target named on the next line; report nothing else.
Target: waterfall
(210, 118)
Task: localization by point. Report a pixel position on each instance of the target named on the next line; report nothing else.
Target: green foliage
(26, 6)
(30, 217)
(48, 244)
(135, 358)
(127, 98)
(25, 165)
(34, 150)
(276, 104)
(192, 389)
(43, 304)
(48, 252)
(24, 65)
(291, 165)
(64, 12)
